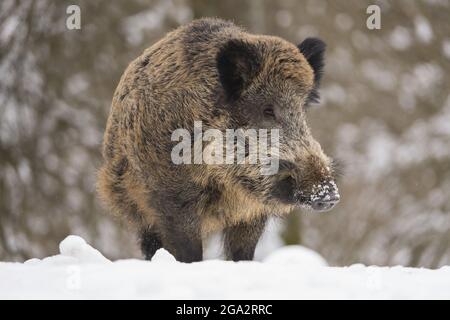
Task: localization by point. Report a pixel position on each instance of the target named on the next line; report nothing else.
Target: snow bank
(82, 272)
(296, 255)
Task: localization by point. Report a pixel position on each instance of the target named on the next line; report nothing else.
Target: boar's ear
(238, 63)
(313, 50)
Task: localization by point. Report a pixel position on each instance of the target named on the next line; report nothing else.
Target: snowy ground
(82, 272)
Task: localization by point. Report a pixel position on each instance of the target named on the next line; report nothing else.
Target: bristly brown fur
(213, 71)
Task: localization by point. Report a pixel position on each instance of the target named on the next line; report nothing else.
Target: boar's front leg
(182, 237)
(150, 241)
(184, 243)
(180, 228)
(241, 239)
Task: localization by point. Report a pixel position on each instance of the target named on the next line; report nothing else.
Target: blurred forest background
(385, 113)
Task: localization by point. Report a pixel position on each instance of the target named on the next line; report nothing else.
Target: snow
(163, 256)
(296, 255)
(293, 272)
(76, 247)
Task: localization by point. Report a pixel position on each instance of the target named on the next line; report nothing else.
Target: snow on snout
(324, 191)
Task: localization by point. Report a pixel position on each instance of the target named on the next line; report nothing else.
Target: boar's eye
(269, 113)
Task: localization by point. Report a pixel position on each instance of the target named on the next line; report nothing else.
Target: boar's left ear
(313, 49)
(238, 63)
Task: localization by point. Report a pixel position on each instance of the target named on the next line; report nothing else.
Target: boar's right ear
(238, 63)
(313, 49)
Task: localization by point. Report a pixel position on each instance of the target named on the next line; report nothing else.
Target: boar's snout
(310, 184)
(325, 196)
